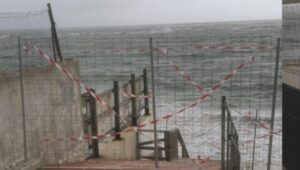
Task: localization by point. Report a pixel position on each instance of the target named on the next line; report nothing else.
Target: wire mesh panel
(192, 70)
(30, 24)
(38, 102)
(206, 61)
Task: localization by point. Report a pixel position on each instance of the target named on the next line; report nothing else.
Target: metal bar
(185, 153)
(146, 92)
(133, 101)
(117, 110)
(150, 142)
(167, 146)
(22, 99)
(138, 145)
(223, 133)
(148, 130)
(94, 127)
(228, 137)
(254, 141)
(273, 104)
(53, 30)
(53, 45)
(153, 102)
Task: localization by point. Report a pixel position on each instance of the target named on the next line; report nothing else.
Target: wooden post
(146, 92)
(117, 110)
(167, 146)
(55, 41)
(133, 101)
(153, 102)
(94, 127)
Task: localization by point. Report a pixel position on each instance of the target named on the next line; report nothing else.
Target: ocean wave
(4, 36)
(162, 30)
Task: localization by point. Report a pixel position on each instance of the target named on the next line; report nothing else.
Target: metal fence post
(117, 110)
(22, 98)
(94, 127)
(254, 141)
(223, 133)
(273, 104)
(146, 92)
(153, 102)
(54, 33)
(133, 101)
(228, 138)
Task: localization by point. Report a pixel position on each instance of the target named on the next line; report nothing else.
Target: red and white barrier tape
(29, 46)
(200, 161)
(99, 100)
(170, 115)
(196, 47)
(130, 95)
(241, 48)
(260, 123)
(261, 137)
(204, 96)
(184, 75)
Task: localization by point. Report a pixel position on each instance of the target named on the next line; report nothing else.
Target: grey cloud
(69, 13)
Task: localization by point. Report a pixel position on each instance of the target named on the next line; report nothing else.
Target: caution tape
(200, 161)
(168, 115)
(99, 100)
(261, 137)
(130, 95)
(214, 88)
(28, 46)
(195, 47)
(234, 48)
(184, 75)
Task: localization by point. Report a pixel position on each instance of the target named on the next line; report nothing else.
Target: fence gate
(231, 138)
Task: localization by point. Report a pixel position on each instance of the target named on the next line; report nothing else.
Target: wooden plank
(150, 142)
(151, 148)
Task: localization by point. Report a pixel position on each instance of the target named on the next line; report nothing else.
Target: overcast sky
(84, 13)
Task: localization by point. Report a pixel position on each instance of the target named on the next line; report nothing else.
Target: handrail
(232, 149)
(166, 133)
(185, 153)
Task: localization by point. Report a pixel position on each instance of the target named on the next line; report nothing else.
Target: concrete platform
(137, 165)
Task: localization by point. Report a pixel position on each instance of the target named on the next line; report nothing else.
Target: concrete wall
(291, 75)
(52, 108)
(124, 149)
(291, 33)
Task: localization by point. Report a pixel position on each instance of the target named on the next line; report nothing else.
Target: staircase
(167, 146)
